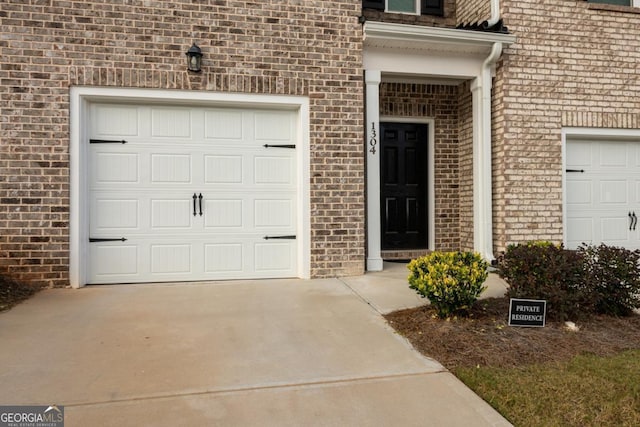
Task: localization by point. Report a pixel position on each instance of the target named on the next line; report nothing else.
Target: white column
(372, 81)
(486, 162)
(476, 91)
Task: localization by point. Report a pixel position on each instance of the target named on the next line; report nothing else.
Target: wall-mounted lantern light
(194, 57)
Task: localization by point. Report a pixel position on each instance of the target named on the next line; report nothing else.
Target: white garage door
(603, 193)
(191, 194)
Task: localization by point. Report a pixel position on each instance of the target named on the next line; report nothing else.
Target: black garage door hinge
(575, 170)
(279, 146)
(279, 237)
(107, 141)
(94, 240)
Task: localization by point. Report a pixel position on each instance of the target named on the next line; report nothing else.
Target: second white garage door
(603, 193)
(191, 194)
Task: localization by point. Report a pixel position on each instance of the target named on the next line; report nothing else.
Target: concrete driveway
(273, 352)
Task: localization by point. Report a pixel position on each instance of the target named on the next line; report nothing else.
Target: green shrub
(613, 274)
(452, 281)
(542, 270)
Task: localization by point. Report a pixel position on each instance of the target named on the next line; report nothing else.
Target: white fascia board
(411, 34)
(188, 97)
(398, 62)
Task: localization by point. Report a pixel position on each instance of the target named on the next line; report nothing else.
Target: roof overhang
(416, 53)
(417, 37)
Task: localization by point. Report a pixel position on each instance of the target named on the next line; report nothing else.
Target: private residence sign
(527, 312)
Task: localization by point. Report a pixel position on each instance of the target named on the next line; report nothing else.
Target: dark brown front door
(403, 187)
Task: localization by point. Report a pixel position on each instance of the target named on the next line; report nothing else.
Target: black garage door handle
(194, 204)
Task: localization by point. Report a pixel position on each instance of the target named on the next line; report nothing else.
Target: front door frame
(81, 96)
(431, 211)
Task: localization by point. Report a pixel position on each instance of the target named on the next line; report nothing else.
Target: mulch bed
(485, 339)
(13, 292)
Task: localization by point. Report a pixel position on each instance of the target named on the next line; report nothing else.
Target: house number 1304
(373, 141)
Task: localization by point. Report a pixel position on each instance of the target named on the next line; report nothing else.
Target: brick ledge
(407, 254)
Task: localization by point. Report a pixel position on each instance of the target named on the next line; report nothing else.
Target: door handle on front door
(200, 200)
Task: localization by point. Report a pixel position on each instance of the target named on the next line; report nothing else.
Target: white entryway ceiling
(188, 189)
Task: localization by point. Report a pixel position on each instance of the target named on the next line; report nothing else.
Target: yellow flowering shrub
(452, 281)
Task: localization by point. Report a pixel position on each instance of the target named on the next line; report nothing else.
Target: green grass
(587, 391)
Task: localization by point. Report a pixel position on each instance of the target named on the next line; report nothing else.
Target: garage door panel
(224, 213)
(614, 229)
(224, 257)
(614, 192)
(112, 120)
(224, 125)
(579, 192)
(112, 215)
(273, 127)
(171, 123)
(636, 191)
(274, 213)
(171, 169)
(113, 261)
(579, 230)
(579, 154)
(274, 170)
(223, 169)
(171, 259)
(274, 257)
(613, 154)
(114, 168)
(171, 213)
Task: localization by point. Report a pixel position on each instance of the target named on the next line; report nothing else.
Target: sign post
(527, 312)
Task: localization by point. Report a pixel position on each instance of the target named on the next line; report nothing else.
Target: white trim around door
(82, 97)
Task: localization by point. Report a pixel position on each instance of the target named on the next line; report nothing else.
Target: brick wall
(440, 103)
(310, 48)
(448, 20)
(472, 11)
(498, 132)
(465, 118)
(574, 64)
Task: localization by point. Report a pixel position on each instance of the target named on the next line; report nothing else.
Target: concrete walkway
(249, 353)
(388, 290)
